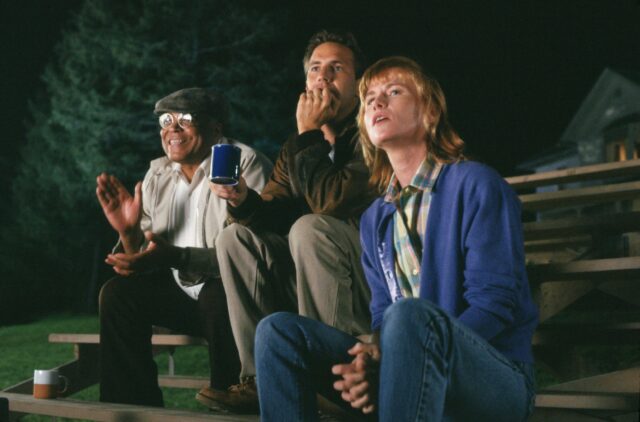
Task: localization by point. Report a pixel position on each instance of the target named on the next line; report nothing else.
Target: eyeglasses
(185, 120)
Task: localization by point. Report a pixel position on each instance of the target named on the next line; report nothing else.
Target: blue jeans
(432, 368)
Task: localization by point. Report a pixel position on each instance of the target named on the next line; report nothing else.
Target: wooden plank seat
(96, 411)
(580, 196)
(595, 334)
(621, 398)
(626, 381)
(83, 370)
(161, 342)
(181, 381)
(589, 255)
(595, 225)
(587, 401)
(600, 171)
(555, 244)
(585, 407)
(594, 269)
(579, 415)
(156, 339)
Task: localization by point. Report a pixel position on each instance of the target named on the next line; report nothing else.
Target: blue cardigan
(472, 261)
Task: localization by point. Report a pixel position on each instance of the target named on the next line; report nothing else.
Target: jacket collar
(348, 124)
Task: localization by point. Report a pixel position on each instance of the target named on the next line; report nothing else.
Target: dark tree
(115, 61)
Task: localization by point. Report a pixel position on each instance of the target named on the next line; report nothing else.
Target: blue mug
(225, 164)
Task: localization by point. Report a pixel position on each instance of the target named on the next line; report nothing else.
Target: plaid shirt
(410, 223)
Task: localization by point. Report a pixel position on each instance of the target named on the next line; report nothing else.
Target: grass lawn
(25, 347)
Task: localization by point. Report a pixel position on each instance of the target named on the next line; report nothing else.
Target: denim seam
(299, 363)
(336, 302)
(420, 411)
(297, 391)
(506, 361)
(488, 347)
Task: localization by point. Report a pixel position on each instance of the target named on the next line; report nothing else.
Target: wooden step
(95, 411)
(180, 381)
(542, 414)
(605, 224)
(592, 269)
(580, 196)
(83, 371)
(626, 381)
(574, 334)
(156, 339)
(557, 244)
(587, 401)
(576, 174)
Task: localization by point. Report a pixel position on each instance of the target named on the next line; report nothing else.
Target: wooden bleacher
(96, 411)
(569, 258)
(82, 372)
(583, 244)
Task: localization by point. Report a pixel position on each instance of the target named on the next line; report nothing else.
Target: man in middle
(296, 245)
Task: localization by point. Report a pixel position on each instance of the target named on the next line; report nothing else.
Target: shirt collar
(205, 167)
(424, 179)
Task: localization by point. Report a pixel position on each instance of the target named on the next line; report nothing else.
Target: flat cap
(197, 101)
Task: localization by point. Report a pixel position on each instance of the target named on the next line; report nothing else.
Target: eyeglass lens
(184, 120)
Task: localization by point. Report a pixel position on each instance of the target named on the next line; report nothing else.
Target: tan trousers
(318, 274)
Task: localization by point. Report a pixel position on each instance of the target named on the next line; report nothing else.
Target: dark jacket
(472, 262)
(305, 181)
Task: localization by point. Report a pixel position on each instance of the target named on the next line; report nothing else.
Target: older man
(166, 258)
(315, 195)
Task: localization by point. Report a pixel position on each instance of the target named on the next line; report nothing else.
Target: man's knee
(212, 300)
(232, 237)
(110, 293)
(310, 229)
(125, 294)
(307, 227)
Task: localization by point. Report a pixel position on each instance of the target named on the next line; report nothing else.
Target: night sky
(514, 72)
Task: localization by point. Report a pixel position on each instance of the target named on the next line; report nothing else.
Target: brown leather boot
(239, 398)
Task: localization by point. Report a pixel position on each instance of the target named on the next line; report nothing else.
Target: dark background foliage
(114, 60)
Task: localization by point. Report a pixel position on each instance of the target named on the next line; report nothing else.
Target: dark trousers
(129, 306)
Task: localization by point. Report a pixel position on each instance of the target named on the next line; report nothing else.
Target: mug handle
(66, 384)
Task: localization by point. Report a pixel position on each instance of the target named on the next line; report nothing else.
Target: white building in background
(605, 128)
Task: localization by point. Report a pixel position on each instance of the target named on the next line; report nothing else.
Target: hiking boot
(239, 398)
